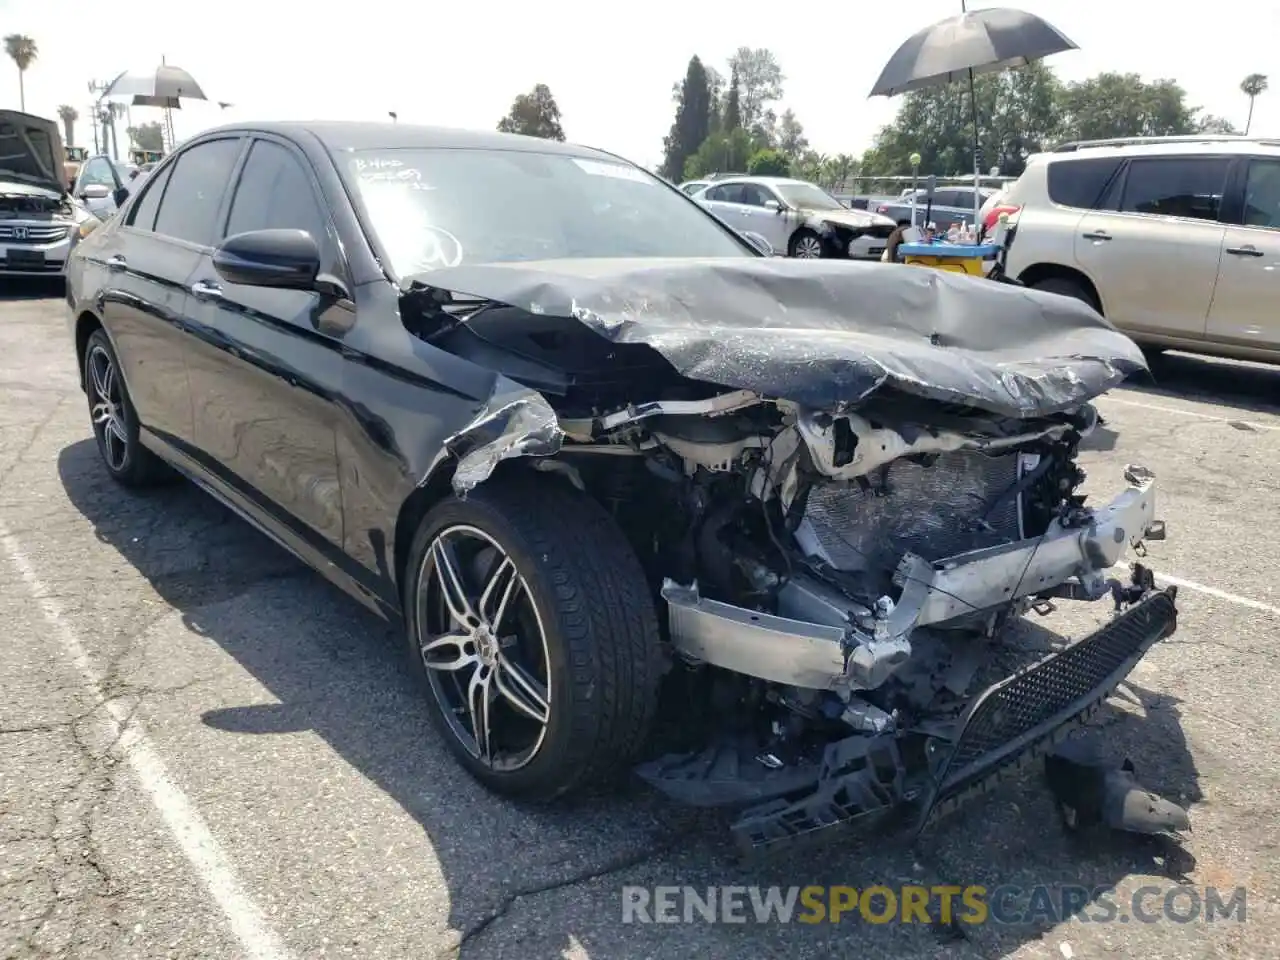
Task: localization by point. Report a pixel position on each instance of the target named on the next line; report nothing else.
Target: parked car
(951, 205)
(102, 183)
(691, 187)
(797, 217)
(590, 447)
(40, 222)
(1175, 240)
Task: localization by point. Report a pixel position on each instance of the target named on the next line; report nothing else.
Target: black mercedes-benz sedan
(609, 463)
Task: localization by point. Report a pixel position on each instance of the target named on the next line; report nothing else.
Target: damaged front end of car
(846, 486)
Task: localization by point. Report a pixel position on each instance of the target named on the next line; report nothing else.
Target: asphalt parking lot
(206, 751)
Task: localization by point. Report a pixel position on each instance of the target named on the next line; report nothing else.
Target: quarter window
(1262, 194)
(1186, 187)
(190, 207)
(1079, 183)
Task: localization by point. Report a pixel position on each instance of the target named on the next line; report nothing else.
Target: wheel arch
(86, 323)
(434, 488)
(1038, 272)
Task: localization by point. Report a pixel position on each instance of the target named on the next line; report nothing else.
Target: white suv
(1176, 240)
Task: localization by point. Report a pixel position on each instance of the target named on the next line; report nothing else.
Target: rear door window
(196, 187)
(1187, 187)
(727, 193)
(1080, 183)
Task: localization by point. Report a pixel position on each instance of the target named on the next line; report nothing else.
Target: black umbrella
(976, 41)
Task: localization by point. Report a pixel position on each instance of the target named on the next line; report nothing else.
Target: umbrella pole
(973, 106)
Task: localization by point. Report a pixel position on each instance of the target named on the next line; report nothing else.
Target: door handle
(1097, 236)
(1248, 250)
(117, 262)
(204, 290)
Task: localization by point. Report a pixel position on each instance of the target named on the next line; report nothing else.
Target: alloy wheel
(482, 641)
(106, 407)
(808, 248)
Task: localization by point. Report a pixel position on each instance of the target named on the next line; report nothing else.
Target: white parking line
(1211, 591)
(192, 834)
(1254, 424)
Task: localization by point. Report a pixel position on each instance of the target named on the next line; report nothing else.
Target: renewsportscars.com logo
(973, 904)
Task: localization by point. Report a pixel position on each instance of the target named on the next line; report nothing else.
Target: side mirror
(759, 242)
(287, 259)
(95, 191)
(773, 205)
(120, 196)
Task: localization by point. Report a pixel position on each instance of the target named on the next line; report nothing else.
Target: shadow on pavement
(30, 288)
(1247, 386)
(336, 671)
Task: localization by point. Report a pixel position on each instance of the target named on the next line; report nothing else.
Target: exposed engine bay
(837, 581)
(22, 204)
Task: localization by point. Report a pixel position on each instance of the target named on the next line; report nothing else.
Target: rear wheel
(532, 628)
(114, 420)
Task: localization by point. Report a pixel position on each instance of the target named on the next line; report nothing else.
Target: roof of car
(1160, 147)
(344, 135)
(774, 181)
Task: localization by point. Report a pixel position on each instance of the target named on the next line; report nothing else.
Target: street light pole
(915, 176)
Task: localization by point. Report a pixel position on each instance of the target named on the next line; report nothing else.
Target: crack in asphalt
(616, 864)
(20, 457)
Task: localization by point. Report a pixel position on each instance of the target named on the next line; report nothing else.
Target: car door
(774, 224)
(266, 366)
(151, 257)
(1248, 289)
(1153, 245)
(725, 201)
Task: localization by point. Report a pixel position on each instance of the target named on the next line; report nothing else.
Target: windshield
(806, 196)
(435, 208)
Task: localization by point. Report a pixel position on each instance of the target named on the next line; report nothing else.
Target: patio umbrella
(976, 41)
(164, 81)
(165, 87)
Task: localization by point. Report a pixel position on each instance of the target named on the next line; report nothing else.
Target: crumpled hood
(31, 151)
(850, 218)
(827, 333)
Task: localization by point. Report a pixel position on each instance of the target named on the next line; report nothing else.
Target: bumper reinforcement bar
(1005, 728)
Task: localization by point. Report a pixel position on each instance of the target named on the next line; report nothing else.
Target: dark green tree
(720, 153)
(692, 123)
(1124, 105)
(1017, 115)
(769, 163)
(534, 114)
(732, 119)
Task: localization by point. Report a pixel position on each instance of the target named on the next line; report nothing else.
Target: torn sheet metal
(514, 423)
(825, 333)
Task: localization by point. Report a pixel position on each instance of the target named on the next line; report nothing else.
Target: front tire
(1066, 287)
(532, 628)
(114, 420)
(805, 245)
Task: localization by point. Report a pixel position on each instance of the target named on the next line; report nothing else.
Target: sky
(610, 66)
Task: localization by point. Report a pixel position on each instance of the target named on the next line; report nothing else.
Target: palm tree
(1251, 86)
(24, 52)
(68, 115)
